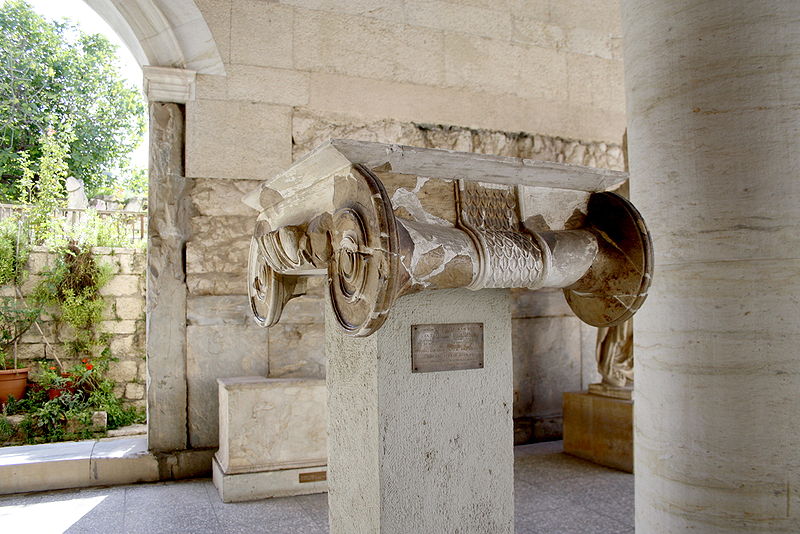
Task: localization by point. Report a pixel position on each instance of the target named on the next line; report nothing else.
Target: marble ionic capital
(430, 219)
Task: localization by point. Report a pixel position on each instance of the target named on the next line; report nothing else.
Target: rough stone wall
(298, 71)
(124, 318)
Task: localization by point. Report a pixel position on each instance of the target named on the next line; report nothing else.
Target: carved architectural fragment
(517, 224)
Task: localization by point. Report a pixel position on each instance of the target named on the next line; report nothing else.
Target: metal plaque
(314, 476)
(446, 347)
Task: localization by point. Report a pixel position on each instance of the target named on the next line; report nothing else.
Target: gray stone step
(76, 464)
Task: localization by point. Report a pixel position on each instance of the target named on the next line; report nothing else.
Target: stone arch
(163, 33)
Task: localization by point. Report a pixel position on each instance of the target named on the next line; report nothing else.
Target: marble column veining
(714, 113)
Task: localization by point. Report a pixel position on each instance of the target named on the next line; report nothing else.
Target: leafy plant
(15, 319)
(60, 404)
(14, 251)
(52, 75)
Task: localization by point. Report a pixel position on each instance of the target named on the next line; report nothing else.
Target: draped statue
(615, 354)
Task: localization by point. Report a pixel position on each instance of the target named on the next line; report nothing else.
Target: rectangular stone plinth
(421, 451)
(240, 487)
(266, 424)
(272, 438)
(599, 429)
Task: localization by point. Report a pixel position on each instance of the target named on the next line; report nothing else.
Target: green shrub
(14, 250)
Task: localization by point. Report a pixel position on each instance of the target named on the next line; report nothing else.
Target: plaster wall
(548, 67)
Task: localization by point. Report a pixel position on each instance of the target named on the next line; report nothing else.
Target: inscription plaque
(446, 347)
(314, 476)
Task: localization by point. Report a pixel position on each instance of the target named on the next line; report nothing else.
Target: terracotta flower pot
(13, 382)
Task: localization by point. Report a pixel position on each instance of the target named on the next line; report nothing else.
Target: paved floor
(554, 494)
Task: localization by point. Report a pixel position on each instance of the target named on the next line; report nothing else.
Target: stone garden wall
(124, 319)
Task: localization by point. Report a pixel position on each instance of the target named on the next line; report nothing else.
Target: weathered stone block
(263, 34)
(450, 16)
(256, 138)
(219, 244)
(40, 261)
(590, 42)
(220, 198)
(216, 283)
(599, 429)
(132, 263)
(218, 17)
(269, 424)
(344, 94)
(123, 285)
(218, 310)
(134, 391)
(535, 30)
(263, 84)
(119, 327)
(129, 308)
(595, 82)
(383, 50)
(99, 420)
(308, 310)
(141, 374)
(217, 352)
(109, 262)
(505, 67)
(297, 350)
(125, 346)
(591, 15)
(373, 9)
(123, 371)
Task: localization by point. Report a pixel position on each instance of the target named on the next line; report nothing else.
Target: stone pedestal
(414, 452)
(599, 428)
(272, 438)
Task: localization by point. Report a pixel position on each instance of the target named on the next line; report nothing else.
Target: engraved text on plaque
(446, 347)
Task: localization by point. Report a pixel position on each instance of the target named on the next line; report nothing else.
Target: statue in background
(615, 360)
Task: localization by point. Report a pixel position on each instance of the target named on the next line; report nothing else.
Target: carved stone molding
(517, 224)
(164, 84)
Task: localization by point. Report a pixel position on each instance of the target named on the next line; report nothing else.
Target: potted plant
(14, 321)
(13, 380)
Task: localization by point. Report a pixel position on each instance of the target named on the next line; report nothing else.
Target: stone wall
(123, 318)
(299, 71)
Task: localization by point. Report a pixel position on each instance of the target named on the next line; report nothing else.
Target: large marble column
(713, 92)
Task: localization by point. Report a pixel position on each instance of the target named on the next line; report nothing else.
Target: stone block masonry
(123, 318)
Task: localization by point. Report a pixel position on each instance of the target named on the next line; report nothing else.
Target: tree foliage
(53, 77)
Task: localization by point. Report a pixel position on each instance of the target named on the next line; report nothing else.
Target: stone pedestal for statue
(599, 427)
(414, 451)
(272, 438)
(420, 381)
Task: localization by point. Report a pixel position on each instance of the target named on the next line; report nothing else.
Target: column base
(599, 429)
(240, 487)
